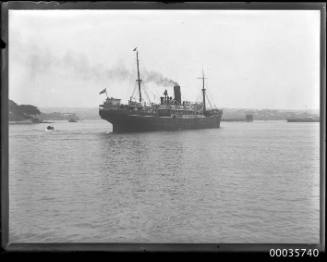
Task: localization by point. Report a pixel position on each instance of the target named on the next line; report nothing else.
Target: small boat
(49, 128)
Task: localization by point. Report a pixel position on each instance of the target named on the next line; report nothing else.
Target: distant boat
(36, 120)
(49, 128)
(72, 120)
(306, 119)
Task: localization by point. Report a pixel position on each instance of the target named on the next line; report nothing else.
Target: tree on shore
(29, 109)
(22, 112)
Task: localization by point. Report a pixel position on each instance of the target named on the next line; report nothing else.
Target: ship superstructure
(170, 114)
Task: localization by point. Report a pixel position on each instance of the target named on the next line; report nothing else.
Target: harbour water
(243, 183)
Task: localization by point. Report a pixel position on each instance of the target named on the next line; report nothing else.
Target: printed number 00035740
(296, 252)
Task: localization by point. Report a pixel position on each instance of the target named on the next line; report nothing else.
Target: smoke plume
(40, 60)
(158, 78)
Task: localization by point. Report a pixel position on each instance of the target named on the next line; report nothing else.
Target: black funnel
(177, 94)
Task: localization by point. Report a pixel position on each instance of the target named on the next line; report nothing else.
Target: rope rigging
(146, 93)
(135, 86)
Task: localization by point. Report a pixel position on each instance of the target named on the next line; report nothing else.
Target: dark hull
(302, 120)
(124, 122)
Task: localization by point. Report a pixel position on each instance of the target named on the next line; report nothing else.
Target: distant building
(249, 117)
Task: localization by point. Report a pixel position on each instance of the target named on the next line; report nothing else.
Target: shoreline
(28, 122)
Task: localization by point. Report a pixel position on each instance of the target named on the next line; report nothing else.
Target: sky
(263, 59)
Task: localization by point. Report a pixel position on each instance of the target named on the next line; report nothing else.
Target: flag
(103, 91)
(135, 49)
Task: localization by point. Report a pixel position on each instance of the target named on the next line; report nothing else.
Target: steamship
(171, 114)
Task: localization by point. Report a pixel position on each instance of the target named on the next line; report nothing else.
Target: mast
(203, 93)
(138, 80)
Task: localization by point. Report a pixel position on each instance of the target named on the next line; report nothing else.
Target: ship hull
(124, 122)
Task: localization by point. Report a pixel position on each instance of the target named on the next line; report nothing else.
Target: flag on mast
(103, 91)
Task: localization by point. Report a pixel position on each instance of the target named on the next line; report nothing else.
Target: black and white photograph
(156, 126)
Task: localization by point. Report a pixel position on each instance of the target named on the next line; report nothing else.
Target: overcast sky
(253, 59)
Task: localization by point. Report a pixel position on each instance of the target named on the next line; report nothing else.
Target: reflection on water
(245, 182)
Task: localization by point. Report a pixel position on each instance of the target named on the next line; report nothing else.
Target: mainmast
(203, 93)
(138, 80)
